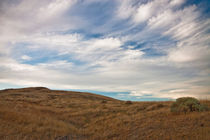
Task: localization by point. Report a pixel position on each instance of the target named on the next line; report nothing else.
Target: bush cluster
(187, 104)
(128, 102)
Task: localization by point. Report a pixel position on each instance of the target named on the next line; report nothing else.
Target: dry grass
(42, 114)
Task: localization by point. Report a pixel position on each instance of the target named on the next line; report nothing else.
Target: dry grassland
(43, 114)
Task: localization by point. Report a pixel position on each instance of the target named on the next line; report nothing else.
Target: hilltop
(38, 113)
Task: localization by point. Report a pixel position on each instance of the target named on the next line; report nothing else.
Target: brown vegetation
(43, 114)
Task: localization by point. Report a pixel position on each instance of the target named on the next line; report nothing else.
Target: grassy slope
(39, 113)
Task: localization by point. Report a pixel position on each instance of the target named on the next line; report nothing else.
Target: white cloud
(188, 53)
(91, 50)
(51, 39)
(54, 8)
(125, 9)
(26, 57)
(185, 27)
(27, 17)
(144, 12)
(140, 11)
(163, 20)
(174, 91)
(185, 23)
(59, 65)
(176, 2)
(107, 63)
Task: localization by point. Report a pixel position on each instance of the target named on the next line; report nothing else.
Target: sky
(126, 49)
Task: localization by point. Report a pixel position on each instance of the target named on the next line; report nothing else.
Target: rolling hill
(38, 113)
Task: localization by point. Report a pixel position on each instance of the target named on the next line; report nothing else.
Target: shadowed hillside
(43, 114)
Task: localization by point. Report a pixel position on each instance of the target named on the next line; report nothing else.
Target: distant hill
(38, 113)
(45, 92)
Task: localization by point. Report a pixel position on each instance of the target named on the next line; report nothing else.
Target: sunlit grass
(33, 114)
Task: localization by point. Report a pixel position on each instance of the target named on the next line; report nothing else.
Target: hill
(38, 113)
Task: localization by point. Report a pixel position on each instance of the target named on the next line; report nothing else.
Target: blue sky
(126, 49)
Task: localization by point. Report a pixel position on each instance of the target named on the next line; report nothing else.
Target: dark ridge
(62, 93)
(28, 88)
(38, 88)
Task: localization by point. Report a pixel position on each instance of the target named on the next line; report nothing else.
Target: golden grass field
(43, 114)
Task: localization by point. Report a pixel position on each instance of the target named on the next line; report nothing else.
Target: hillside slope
(43, 114)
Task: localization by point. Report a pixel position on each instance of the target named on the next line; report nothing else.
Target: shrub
(128, 102)
(103, 101)
(187, 104)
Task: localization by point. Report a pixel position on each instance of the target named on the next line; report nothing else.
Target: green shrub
(187, 104)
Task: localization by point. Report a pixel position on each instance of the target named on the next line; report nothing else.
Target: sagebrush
(188, 104)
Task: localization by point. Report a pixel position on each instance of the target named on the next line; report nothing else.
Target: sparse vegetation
(187, 104)
(43, 114)
(128, 102)
(155, 107)
(103, 101)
